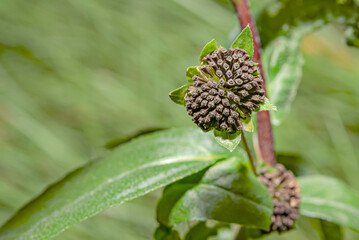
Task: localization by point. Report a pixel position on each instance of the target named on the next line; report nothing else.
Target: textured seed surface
(225, 87)
(285, 192)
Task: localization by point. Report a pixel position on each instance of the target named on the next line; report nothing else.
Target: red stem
(265, 134)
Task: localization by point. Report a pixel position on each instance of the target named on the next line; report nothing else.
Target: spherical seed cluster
(285, 192)
(228, 84)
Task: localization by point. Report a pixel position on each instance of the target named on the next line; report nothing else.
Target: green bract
(224, 90)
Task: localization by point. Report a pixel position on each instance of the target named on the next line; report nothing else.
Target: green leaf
(228, 192)
(209, 48)
(242, 234)
(119, 141)
(266, 106)
(178, 95)
(129, 171)
(166, 233)
(283, 62)
(330, 231)
(245, 41)
(329, 199)
(352, 36)
(229, 141)
(201, 231)
(191, 71)
(247, 124)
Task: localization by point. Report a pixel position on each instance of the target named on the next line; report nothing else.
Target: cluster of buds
(285, 193)
(228, 89)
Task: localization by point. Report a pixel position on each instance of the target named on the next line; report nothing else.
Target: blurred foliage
(76, 74)
(279, 17)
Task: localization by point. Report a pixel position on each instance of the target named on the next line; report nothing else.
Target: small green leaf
(266, 106)
(201, 231)
(247, 124)
(329, 199)
(245, 41)
(129, 171)
(178, 95)
(229, 141)
(191, 71)
(166, 233)
(209, 48)
(330, 231)
(228, 192)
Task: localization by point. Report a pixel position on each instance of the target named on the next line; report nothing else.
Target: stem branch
(265, 134)
(249, 153)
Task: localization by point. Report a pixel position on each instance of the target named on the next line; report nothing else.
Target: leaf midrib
(165, 161)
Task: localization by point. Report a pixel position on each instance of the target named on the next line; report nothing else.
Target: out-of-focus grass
(76, 74)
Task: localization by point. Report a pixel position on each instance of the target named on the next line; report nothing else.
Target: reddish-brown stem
(265, 134)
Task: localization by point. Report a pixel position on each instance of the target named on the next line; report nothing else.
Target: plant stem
(265, 134)
(249, 153)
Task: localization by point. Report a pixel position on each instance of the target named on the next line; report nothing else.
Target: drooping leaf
(191, 71)
(166, 233)
(283, 62)
(209, 48)
(129, 171)
(245, 41)
(329, 199)
(178, 95)
(201, 231)
(229, 141)
(266, 106)
(228, 192)
(330, 231)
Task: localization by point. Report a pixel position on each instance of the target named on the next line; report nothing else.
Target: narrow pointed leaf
(229, 141)
(228, 192)
(129, 171)
(245, 41)
(329, 199)
(209, 48)
(178, 95)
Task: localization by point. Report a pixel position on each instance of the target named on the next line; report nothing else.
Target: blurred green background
(77, 74)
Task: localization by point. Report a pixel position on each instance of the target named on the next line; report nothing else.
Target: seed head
(226, 88)
(285, 193)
